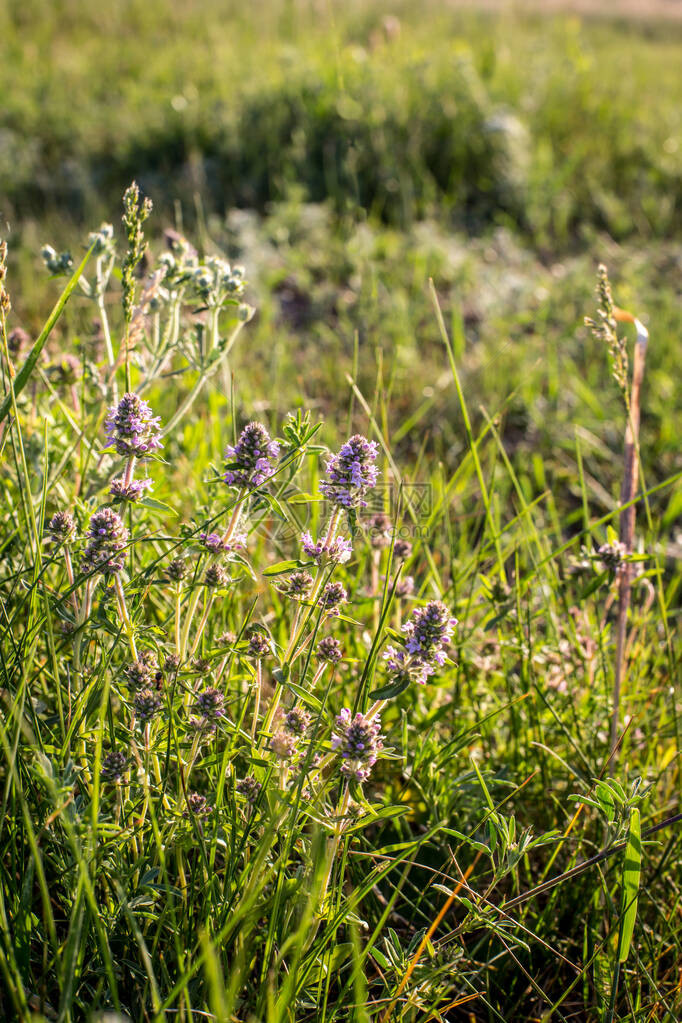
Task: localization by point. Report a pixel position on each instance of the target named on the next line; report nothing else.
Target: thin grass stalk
(629, 512)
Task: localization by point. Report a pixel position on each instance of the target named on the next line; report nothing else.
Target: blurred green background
(346, 152)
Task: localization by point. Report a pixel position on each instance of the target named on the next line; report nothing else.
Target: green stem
(127, 624)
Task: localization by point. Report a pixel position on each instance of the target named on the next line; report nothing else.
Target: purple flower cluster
(297, 585)
(333, 595)
(358, 741)
(259, 646)
(329, 650)
(351, 473)
(131, 427)
(247, 463)
(379, 530)
(405, 586)
(210, 706)
(129, 490)
(62, 528)
(108, 537)
(337, 551)
(283, 744)
(215, 577)
(297, 721)
(427, 632)
(147, 705)
(215, 544)
(249, 787)
(429, 629)
(113, 766)
(197, 806)
(177, 570)
(140, 673)
(402, 549)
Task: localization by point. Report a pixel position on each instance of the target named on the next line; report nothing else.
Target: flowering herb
(358, 742)
(132, 429)
(351, 473)
(197, 806)
(338, 550)
(132, 491)
(113, 766)
(210, 708)
(147, 705)
(427, 633)
(62, 528)
(333, 595)
(105, 552)
(297, 585)
(248, 463)
(329, 650)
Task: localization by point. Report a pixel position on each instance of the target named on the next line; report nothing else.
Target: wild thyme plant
(234, 783)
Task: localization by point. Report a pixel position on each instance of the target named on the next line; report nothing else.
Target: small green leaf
(391, 690)
(281, 567)
(154, 505)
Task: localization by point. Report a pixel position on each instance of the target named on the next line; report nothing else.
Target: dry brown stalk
(628, 513)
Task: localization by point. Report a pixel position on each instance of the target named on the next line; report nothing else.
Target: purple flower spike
(210, 706)
(215, 544)
(358, 741)
(333, 595)
(429, 629)
(427, 632)
(133, 491)
(197, 806)
(247, 463)
(337, 551)
(132, 429)
(108, 537)
(61, 528)
(113, 766)
(351, 473)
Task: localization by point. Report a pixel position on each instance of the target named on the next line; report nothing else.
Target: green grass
(345, 166)
(543, 125)
(112, 899)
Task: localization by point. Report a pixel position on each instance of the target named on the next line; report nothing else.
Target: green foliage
(546, 126)
(502, 862)
(212, 877)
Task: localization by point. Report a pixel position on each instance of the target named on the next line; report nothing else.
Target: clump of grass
(249, 770)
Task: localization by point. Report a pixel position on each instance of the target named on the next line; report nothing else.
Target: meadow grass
(501, 859)
(171, 844)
